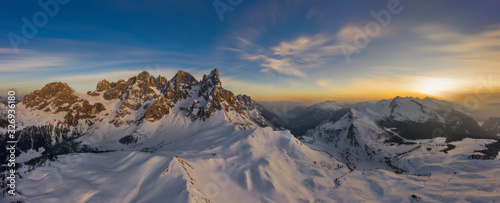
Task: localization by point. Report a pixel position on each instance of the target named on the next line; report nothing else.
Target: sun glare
(435, 86)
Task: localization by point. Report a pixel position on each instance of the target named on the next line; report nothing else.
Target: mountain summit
(57, 119)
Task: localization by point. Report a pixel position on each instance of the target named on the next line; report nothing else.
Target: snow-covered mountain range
(56, 119)
(152, 139)
(374, 135)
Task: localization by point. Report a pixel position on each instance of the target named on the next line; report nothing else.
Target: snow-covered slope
(415, 109)
(261, 165)
(219, 164)
(436, 177)
(356, 140)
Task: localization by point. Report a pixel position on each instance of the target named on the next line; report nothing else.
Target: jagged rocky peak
(137, 89)
(59, 94)
(182, 83)
(212, 97)
(251, 107)
(144, 76)
(212, 79)
(50, 90)
(112, 90)
(247, 100)
(209, 84)
(142, 82)
(163, 85)
(59, 97)
(183, 78)
(103, 85)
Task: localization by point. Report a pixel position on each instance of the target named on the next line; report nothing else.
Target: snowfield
(258, 165)
(435, 177)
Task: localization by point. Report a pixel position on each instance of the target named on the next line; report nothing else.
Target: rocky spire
(103, 86)
(214, 96)
(162, 84)
(210, 83)
(146, 79)
(114, 90)
(183, 78)
(212, 79)
(182, 83)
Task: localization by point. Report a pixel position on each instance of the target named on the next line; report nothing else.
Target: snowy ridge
(415, 109)
(327, 105)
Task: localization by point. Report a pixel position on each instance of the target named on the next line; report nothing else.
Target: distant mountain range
(175, 137)
(415, 118)
(4, 101)
(361, 133)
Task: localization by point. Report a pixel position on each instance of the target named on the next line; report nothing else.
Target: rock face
(56, 117)
(492, 125)
(212, 97)
(158, 109)
(182, 84)
(58, 97)
(54, 97)
(251, 108)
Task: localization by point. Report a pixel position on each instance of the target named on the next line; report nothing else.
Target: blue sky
(271, 50)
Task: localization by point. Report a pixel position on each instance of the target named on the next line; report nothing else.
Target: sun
(435, 86)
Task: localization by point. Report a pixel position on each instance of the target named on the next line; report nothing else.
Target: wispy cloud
(456, 42)
(21, 64)
(305, 52)
(281, 65)
(11, 51)
(479, 50)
